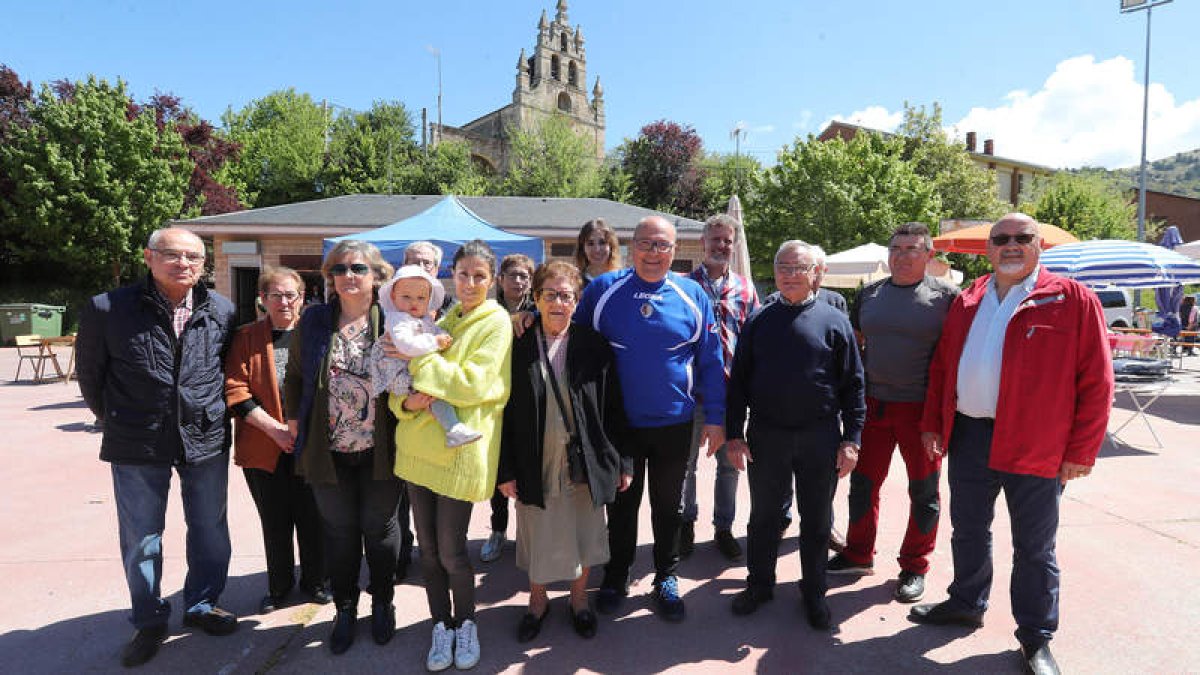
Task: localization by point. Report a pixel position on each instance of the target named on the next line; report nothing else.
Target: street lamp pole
(1129, 6)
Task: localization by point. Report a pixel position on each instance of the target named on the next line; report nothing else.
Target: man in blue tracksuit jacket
(664, 334)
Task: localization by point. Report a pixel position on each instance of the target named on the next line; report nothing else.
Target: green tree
(727, 175)
(836, 194)
(370, 151)
(283, 149)
(446, 170)
(1088, 205)
(551, 160)
(966, 190)
(93, 177)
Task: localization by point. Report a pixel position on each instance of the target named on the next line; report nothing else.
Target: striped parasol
(1125, 264)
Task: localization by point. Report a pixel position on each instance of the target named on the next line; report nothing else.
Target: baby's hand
(444, 341)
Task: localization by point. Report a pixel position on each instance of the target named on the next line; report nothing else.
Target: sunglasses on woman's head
(341, 269)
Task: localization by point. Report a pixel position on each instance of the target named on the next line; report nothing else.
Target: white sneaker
(440, 652)
(493, 547)
(466, 646)
(461, 434)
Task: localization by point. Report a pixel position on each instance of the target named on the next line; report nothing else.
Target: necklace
(354, 328)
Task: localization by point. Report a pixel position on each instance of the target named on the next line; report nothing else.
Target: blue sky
(1056, 82)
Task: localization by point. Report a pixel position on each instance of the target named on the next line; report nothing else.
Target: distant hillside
(1178, 174)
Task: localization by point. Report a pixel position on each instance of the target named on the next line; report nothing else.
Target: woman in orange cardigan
(263, 446)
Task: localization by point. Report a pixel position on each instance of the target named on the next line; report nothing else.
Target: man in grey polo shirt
(898, 321)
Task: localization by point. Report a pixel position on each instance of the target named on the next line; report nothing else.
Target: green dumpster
(30, 319)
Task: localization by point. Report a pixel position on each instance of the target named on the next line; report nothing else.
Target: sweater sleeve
(739, 381)
(851, 386)
(477, 375)
(710, 364)
(237, 370)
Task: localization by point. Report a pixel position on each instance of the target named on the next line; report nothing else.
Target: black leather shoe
(728, 545)
(748, 600)
(318, 595)
(270, 603)
(817, 612)
(1040, 661)
(531, 625)
(945, 614)
(342, 635)
(215, 621)
(609, 600)
(687, 539)
(143, 645)
(383, 622)
(584, 622)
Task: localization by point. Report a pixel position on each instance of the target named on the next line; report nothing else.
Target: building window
(562, 41)
(554, 67)
(564, 102)
(572, 74)
(682, 265)
(562, 250)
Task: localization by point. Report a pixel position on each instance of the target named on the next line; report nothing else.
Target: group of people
(576, 390)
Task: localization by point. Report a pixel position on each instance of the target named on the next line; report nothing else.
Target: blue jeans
(1033, 503)
(140, 491)
(724, 487)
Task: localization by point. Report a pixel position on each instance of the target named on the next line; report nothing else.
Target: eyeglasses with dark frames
(1023, 239)
(342, 269)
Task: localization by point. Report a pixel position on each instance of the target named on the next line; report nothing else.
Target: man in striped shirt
(733, 299)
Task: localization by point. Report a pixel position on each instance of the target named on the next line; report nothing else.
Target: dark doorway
(245, 293)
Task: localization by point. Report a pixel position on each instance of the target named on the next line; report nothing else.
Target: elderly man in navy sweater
(797, 369)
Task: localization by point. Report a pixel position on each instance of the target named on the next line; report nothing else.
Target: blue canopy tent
(448, 224)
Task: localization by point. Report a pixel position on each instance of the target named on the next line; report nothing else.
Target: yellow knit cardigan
(473, 376)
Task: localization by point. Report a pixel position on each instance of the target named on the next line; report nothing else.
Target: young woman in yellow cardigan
(443, 483)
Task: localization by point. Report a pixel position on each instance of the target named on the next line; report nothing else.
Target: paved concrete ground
(1129, 548)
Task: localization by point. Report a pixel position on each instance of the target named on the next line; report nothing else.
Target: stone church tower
(552, 80)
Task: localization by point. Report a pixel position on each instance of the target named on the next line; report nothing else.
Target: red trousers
(890, 424)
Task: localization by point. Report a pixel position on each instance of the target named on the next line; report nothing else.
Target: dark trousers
(403, 518)
(358, 515)
(807, 457)
(499, 512)
(662, 454)
(1033, 512)
(891, 423)
(441, 524)
(285, 506)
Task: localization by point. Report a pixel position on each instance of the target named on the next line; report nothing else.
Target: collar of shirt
(810, 300)
(1026, 285)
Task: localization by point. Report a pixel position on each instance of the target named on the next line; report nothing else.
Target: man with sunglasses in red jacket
(1019, 394)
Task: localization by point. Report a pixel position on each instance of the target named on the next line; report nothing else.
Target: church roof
(351, 213)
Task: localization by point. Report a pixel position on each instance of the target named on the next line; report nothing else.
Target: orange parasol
(974, 239)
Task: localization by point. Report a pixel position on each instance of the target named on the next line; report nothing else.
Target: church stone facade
(552, 80)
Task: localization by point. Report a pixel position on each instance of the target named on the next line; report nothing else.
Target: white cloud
(873, 117)
(1086, 113)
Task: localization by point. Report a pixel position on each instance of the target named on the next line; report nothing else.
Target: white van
(1118, 307)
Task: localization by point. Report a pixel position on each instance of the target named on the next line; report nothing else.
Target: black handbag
(576, 466)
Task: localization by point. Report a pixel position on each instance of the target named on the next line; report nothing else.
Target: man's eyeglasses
(342, 269)
(290, 296)
(427, 264)
(517, 276)
(172, 256)
(557, 296)
(802, 268)
(648, 245)
(1023, 239)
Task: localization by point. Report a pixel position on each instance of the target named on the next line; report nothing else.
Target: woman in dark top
(345, 438)
(558, 453)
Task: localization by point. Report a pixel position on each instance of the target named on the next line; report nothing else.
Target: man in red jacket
(1019, 394)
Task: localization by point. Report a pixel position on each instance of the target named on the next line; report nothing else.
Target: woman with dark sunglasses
(345, 437)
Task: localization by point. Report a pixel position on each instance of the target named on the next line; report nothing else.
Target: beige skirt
(559, 542)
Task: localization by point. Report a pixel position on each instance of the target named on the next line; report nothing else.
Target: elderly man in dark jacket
(151, 367)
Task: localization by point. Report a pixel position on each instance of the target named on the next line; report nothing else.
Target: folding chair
(29, 348)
